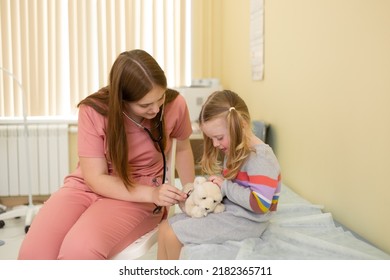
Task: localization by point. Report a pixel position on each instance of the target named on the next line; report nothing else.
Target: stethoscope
(157, 140)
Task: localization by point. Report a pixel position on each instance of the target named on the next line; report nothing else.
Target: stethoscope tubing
(157, 140)
(157, 210)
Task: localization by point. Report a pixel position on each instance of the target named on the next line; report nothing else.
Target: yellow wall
(326, 94)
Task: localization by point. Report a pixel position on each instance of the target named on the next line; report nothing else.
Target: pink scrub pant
(76, 224)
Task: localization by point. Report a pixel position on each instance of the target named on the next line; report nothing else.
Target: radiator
(48, 153)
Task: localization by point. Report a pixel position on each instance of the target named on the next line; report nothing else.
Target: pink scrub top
(143, 156)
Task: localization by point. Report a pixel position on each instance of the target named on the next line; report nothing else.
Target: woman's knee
(82, 248)
(83, 253)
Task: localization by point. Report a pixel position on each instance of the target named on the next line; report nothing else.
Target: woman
(117, 193)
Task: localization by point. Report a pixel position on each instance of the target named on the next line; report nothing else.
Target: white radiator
(48, 153)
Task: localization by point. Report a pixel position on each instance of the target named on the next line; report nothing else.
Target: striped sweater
(257, 185)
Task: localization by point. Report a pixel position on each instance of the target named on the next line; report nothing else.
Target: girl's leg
(169, 246)
(106, 228)
(52, 223)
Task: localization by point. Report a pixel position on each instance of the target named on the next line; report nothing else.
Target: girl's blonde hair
(226, 104)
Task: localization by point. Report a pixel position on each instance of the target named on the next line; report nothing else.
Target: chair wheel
(26, 228)
(2, 223)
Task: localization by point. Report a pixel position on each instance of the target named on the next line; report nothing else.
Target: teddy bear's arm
(197, 212)
(219, 208)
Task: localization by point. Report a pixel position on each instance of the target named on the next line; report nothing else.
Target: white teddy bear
(204, 197)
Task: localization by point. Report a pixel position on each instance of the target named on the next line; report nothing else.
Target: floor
(12, 234)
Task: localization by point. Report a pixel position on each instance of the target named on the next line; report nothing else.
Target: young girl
(110, 200)
(249, 179)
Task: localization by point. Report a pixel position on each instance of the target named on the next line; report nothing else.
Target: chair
(28, 211)
(142, 245)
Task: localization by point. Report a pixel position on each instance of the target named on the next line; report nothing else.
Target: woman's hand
(167, 195)
(218, 180)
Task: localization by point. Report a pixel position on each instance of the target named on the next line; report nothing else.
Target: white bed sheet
(299, 230)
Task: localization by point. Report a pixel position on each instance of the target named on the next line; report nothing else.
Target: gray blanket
(298, 231)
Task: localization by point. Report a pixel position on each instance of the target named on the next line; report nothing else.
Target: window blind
(62, 51)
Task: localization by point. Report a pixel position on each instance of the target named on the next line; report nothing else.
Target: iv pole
(29, 210)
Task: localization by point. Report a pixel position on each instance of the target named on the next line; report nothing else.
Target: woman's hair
(133, 74)
(226, 104)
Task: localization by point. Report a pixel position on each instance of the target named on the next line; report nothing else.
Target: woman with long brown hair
(117, 192)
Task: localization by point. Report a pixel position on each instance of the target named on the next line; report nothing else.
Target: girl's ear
(247, 128)
(246, 125)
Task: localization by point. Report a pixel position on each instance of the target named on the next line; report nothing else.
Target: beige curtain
(62, 50)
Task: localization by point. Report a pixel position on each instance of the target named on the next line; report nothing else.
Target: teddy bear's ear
(200, 180)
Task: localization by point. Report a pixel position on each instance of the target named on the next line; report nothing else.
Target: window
(61, 51)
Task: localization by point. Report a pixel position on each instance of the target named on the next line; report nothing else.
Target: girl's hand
(218, 180)
(167, 195)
